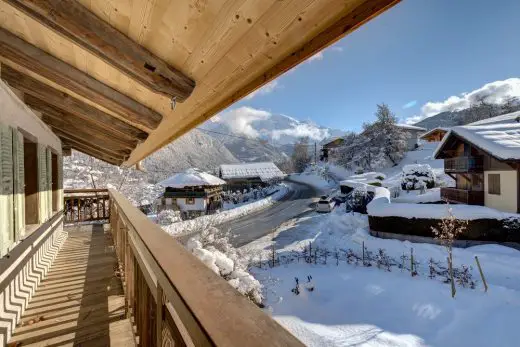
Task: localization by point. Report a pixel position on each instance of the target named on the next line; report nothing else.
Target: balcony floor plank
(81, 300)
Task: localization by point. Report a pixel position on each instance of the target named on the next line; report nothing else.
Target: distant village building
(248, 175)
(329, 149)
(434, 135)
(414, 132)
(484, 159)
(193, 192)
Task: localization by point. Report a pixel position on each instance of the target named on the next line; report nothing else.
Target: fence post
(481, 274)
(159, 314)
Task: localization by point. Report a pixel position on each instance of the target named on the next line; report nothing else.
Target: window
(494, 184)
(55, 187)
(190, 201)
(32, 200)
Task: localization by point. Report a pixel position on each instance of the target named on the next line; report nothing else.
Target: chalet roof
(266, 171)
(434, 130)
(410, 127)
(499, 136)
(192, 178)
(105, 74)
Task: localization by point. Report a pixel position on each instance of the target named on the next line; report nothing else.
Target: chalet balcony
(463, 164)
(462, 196)
(111, 277)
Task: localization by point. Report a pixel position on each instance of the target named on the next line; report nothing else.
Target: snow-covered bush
(167, 217)
(414, 176)
(359, 199)
(213, 248)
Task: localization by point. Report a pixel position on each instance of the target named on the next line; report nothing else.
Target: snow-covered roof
(434, 130)
(498, 136)
(266, 171)
(410, 127)
(192, 178)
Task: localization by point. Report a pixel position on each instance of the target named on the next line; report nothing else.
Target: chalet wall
(17, 115)
(507, 201)
(21, 273)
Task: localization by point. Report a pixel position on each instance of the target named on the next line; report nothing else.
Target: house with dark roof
(484, 160)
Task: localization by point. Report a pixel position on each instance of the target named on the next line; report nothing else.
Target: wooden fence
(85, 205)
(173, 298)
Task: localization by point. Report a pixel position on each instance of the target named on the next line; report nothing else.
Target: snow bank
(381, 206)
(414, 196)
(192, 225)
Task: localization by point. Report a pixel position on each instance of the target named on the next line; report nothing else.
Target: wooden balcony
(462, 196)
(124, 281)
(463, 164)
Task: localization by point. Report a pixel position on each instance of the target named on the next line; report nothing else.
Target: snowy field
(353, 305)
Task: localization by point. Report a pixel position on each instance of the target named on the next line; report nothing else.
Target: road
(298, 202)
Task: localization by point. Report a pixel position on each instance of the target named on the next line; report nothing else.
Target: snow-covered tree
(300, 157)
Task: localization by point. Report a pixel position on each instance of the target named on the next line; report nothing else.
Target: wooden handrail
(174, 296)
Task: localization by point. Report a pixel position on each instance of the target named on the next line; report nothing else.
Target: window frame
(190, 201)
(494, 187)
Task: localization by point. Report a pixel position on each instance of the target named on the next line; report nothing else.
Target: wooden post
(411, 261)
(481, 274)
(159, 314)
(363, 259)
(450, 267)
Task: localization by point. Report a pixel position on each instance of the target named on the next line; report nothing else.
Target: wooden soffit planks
(36, 60)
(73, 21)
(71, 105)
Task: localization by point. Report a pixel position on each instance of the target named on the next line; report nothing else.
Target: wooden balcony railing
(174, 299)
(469, 197)
(85, 205)
(463, 164)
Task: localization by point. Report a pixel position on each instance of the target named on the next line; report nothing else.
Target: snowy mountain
(258, 135)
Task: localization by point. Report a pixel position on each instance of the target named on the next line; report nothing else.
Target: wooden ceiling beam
(53, 69)
(94, 143)
(32, 87)
(76, 23)
(93, 153)
(84, 147)
(55, 119)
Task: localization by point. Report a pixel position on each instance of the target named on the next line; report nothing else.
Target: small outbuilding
(434, 135)
(329, 149)
(249, 175)
(193, 192)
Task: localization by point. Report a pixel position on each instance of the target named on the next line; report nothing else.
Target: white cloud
(240, 120)
(336, 49)
(495, 92)
(265, 89)
(316, 57)
(302, 130)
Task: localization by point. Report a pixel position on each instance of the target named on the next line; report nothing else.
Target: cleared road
(255, 225)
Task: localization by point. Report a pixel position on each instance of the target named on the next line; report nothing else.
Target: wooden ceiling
(103, 72)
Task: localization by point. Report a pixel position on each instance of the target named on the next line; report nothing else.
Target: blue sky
(420, 51)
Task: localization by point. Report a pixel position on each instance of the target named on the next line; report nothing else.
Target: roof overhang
(116, 84)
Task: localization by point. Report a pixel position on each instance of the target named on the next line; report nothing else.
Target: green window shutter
(60, 182)
(19, 185)
(6, 189)
(49, 183)
(42, 182)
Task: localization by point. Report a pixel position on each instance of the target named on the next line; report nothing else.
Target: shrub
(381, 178)
(415, 176)
(167, 217)
(377, 184)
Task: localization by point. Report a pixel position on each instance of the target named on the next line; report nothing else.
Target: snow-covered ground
(353, 305)
(193, 225)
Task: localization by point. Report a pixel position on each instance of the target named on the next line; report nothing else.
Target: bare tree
(300, 156)
(512, 104)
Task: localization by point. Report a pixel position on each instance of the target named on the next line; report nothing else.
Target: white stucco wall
(507, 201)
(17, 115)
(199, 205)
